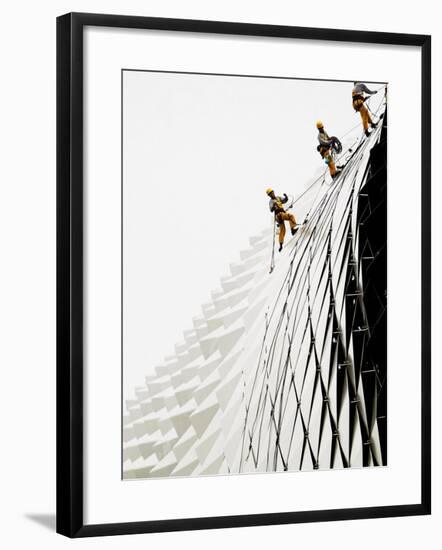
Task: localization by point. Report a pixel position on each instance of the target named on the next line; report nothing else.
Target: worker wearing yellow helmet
(281, 216)
(326, 146)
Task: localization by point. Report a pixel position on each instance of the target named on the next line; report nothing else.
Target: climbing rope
(272, 261)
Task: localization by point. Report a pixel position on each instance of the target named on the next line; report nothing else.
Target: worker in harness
(359, 95)
(281, 216)
(328, 145)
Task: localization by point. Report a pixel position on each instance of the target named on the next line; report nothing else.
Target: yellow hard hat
(269, 190)
(319, 124)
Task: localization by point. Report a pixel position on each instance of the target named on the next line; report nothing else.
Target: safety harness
(279, 209)
(335, 147)
(358, 101)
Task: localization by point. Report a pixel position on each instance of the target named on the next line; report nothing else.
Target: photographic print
(254, 274)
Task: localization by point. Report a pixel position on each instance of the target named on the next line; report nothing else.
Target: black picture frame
(70, 273)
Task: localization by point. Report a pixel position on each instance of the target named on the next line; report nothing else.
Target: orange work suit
(358, 105)
(281, 218)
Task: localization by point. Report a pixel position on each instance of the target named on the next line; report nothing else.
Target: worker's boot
(294, 229)
(367, 132)
(374, 124)
(280, 247)
(336, 174)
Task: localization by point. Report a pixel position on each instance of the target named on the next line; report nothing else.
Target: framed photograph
(243, 274)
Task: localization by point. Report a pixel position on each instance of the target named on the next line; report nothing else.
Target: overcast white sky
(199, 152)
